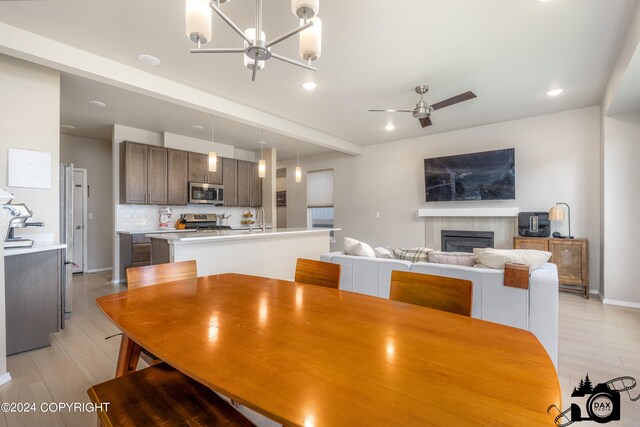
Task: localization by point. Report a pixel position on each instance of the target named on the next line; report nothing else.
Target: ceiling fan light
(198, 20)
(311, 40)
(248, 62)
(299, 7)
(213, 161)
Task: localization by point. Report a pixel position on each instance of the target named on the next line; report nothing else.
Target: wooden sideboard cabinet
(571, 256)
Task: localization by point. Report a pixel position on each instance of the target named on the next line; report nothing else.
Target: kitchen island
(272, 253)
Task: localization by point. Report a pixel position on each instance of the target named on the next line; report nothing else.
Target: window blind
(320, 189)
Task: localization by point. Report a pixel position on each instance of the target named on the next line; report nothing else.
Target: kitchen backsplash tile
(132, 217)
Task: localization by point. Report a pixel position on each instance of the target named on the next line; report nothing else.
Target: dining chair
(149, 275)
(438, 292)
(318, 273)
(139, 277)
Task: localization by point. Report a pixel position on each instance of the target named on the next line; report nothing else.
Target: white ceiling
(374, 52)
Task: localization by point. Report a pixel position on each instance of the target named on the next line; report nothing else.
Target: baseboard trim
(5, 378)
(621, 303)
(99, 270)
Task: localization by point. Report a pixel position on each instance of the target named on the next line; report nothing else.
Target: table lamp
(556, 213)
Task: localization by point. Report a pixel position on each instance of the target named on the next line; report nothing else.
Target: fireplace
(465, 241)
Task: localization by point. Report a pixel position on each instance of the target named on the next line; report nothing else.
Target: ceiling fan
(423, 110)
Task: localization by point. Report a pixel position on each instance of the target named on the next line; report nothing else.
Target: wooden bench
(161, 395)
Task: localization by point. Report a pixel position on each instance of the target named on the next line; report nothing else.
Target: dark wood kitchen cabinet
(143, 173)
(177, 177)
(199, 169)
(255, 186)
(135, 251)
(230, 181)
(249, 184)
(156, 175)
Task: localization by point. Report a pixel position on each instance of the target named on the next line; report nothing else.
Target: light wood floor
(601, 340)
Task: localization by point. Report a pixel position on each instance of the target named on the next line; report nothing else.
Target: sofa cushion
(413, 254)
(453, 258)
(383, 253)
(497, 258)
(358, 248)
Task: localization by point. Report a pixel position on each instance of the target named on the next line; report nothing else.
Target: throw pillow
(383, 253)
(413, 254)
(357, 248)
(497, 258)
(453, 258)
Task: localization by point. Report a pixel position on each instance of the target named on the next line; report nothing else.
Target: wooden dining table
(307, 355)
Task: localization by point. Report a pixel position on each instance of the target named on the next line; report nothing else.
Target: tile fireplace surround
(502, 221)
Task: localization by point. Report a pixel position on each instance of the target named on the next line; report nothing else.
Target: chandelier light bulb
(311, 40)
(300, 7)
(198, 20)
(248, 62)
(298, 174)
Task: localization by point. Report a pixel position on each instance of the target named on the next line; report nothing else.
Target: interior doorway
(80, 196)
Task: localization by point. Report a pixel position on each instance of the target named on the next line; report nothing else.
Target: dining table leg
(127, 357)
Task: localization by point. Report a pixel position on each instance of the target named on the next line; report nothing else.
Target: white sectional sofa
(534, 309)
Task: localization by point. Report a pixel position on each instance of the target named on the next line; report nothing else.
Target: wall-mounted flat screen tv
(489, 175)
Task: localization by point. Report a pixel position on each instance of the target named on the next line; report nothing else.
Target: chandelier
(256, 49)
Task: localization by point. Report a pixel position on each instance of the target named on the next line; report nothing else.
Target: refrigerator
(66, 235)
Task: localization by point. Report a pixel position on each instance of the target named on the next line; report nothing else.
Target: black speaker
(534, 224)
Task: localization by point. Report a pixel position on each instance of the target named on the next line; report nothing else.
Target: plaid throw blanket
(413, 254)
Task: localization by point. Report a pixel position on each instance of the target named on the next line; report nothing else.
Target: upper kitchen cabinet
(143, 173)
(249, 184)
(230, 180)
(199, 169)
(177, 177)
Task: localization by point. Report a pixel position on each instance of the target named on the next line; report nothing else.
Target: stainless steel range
(202, 222)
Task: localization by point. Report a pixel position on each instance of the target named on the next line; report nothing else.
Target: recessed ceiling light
(68, 126)
(555, 92)
(148, 59)
(197, 127)
(310, 85)
(98, 104)
(389, 127)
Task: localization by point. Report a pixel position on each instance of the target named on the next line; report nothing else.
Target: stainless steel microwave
(203, 193)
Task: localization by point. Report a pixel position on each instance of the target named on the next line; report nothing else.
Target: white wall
(95, 156)
(557, 160)
(621, 207)
(30, 120)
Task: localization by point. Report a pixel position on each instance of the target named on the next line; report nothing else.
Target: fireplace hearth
(465, 241)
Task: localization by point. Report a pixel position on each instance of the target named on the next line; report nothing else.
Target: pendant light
(213, 157)
(298, 170)
(262, 166)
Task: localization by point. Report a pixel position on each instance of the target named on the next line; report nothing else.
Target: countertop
(151, 231)
(222, 235)
(37, 247)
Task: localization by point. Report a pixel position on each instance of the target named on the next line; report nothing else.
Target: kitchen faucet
(261, 224)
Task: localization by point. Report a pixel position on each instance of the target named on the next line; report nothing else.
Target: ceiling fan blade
(425, 121)
(392, 111)
(454, 100)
